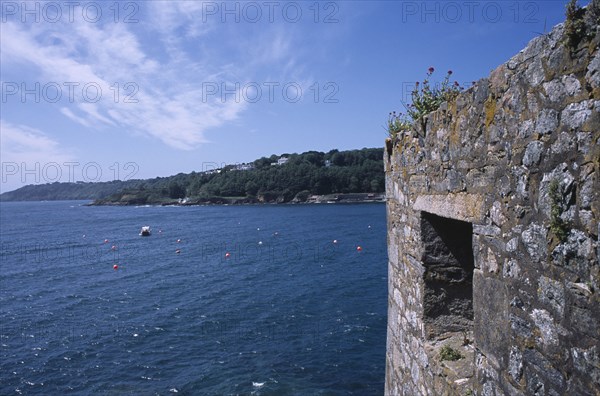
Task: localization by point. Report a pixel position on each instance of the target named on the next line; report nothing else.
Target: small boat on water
(145, 231)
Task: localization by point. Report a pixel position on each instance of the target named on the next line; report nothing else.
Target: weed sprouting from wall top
(575, 29)
(426, 97)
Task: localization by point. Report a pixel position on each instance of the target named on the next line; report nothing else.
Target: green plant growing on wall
(575, 29)
(557, 225)
(426, 97)
(397, 122)
(449, 353)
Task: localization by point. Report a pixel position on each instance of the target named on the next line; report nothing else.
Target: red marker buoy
(227, 255)
(115, 267)
(106, 241)
(113, 247)
(358, 248)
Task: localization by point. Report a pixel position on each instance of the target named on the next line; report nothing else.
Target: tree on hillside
(176, 191)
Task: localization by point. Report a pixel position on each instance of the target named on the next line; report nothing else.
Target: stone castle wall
(493, 249)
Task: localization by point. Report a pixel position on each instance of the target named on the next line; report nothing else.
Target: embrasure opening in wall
(448, 263)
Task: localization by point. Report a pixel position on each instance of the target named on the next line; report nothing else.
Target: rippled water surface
(218, 300)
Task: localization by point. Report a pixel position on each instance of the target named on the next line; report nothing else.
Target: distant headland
(311, 177)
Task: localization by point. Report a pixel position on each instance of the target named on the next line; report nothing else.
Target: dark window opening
(448, 262)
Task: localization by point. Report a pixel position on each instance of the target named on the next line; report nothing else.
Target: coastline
(342, 198)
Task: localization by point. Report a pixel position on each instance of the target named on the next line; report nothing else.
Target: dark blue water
(289, 312)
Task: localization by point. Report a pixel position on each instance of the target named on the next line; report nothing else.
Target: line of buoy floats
(335, 241)
(227, 254)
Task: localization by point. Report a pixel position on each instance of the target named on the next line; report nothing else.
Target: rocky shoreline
(312, 199)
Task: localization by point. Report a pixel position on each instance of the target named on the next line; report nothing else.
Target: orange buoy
(358, 248)
(115, 267)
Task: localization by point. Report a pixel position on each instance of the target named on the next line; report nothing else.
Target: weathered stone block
(535, 385)
(565, 143)
(491, 324)
(533, 153)
(535, 73)
(515, 364)
(534, 239)
(547, 121)
(511, 269)
(588, 184)
(526, 129)
(462, 206)
(538, 366)
(576, 114)
(593, 72)
(552, 293)
(558, 89)
(520, 327)
(547, 326)
(496, 214)
(587, 363)
(586, 321)
(575, 254)
(520, 175)
(487, 230)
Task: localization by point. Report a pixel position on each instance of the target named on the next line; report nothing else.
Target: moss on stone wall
(557, 225)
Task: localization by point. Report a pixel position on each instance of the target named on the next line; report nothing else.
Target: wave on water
(293, 316)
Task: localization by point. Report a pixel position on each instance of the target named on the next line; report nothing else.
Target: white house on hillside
(280, 161)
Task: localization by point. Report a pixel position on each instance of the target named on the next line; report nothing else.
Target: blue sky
(139, 89)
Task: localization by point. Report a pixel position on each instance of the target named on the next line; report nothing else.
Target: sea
(219, 300)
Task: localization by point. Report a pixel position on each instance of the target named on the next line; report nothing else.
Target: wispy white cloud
(27, 154)
(19, 140)
(30, 156)
(175, 17)
(172, 110)
(164, 61)
(66, 111)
